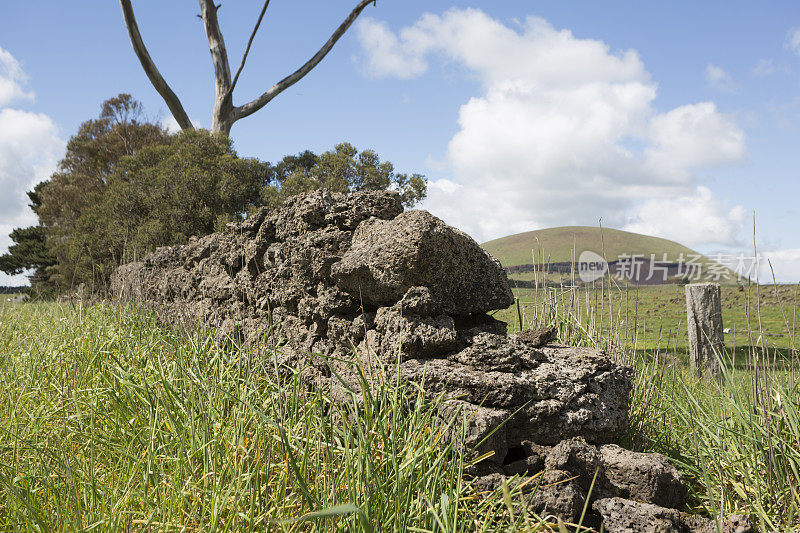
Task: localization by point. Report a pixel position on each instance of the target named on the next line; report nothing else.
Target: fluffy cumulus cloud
(698, 218)
(29, 150)
(694, 135)
(564, 131)
(389, 55)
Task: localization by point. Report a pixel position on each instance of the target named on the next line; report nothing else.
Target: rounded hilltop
(566, 243)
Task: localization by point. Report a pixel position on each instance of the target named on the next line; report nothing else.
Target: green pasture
(109, 422)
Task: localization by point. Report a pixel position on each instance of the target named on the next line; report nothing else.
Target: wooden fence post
(704, 320)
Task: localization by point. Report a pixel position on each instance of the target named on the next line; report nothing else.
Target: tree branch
(291, 79)
(249, 44)
(219, 55)
(150, 69)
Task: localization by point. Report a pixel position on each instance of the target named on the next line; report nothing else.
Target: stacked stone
(355, 276)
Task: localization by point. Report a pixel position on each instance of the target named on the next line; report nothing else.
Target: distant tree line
(126, 186)
(554, 267)
(12, 290)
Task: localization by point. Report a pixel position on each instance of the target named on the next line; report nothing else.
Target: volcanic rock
(333, 281)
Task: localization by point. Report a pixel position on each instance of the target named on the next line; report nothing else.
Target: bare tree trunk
(225, 114)
(222, 115)
(704, 321)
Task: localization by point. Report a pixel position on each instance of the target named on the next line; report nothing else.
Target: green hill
(555, 245)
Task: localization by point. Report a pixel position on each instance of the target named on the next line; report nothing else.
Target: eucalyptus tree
(225, 113)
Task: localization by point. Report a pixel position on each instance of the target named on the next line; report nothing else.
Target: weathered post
(704, 320)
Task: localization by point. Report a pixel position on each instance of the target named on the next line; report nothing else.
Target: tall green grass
(736, 439)
(109, 423)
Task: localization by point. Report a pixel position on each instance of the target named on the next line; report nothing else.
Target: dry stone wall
(354, 276)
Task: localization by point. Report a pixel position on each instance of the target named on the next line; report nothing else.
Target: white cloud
(12, 79)
(495, 51)
(793, 41)
(172, 126)
(388, 55)
(694, 135)
(697, 218)
(29, 150)
(565, 130)
(785, 263)
(719, 79)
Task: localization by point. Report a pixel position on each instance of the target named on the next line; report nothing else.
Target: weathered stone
(488, 482)
(474, 471)
(303, 214)
(593, 473)
(562, 397)
(538, 337)
(388, 257)
(737, 523)
(482, 429)
(648, 477)
(553, 493)
(470, 326)
(620, 515)
(413, 335)
(558, 494)
(418, 301)
(273, 269)
(582, 460)
(570, 393)
(496, 352)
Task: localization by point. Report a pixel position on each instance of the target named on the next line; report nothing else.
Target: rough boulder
(388, 257)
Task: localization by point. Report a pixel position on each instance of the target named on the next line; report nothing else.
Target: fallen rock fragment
(626, 491)
(584, 462)
(647, 477)
(620, 515)
(538, 337)
(558, 494)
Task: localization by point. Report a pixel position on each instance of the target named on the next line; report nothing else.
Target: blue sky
(677, 119)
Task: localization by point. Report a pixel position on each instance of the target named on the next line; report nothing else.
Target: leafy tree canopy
(79, 184)
(343, 169)
(165, 194)
(29, 251)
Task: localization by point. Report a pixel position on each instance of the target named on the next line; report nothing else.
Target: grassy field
(110, 423)
(654, 317)
(12, 297)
